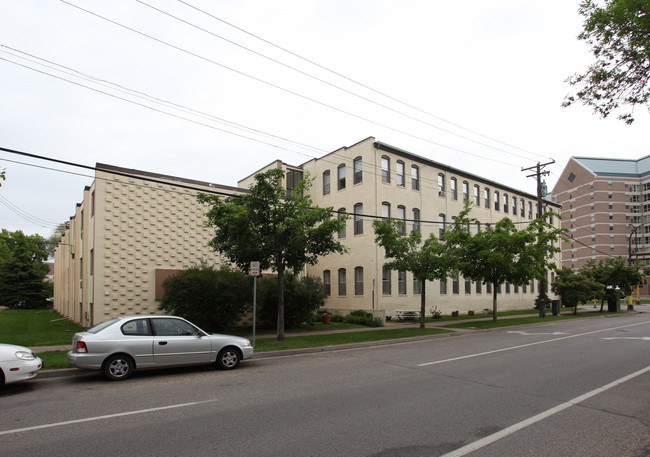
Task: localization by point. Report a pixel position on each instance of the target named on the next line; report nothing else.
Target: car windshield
(99, 327)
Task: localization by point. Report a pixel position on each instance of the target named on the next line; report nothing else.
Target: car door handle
(162, 343)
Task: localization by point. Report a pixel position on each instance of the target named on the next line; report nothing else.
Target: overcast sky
(232, 86)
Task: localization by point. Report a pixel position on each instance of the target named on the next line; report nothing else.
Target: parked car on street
(119, 346)
(17, 363)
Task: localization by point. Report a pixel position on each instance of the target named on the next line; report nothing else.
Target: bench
(407, 314)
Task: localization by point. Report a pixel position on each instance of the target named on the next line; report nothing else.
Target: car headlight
(24, 355)
(248, 343)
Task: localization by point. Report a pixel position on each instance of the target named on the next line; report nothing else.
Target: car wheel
(118, 367)
(2, 378)
(228, 359)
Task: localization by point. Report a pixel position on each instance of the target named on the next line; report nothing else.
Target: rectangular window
(478, 287)
(385, 282)
(443, 287)
(455, 285)
(468, 286)
(293, 178)
(417, 286)
(401, 282)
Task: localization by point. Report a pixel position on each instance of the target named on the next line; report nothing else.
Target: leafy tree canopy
(619, 35)
(427, 259)
(282, 230)
(22, 271)
(503, 253)
(576, 287)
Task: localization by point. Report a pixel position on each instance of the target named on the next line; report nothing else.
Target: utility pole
(542, 297)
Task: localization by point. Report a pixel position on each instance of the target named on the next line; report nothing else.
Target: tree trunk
(422, 303)
(280, 302)
(494, 301)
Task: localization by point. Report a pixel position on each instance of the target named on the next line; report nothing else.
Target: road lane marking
(541, 416)
(479, 354)
(521, 332)
(96, 418)
(644, 338)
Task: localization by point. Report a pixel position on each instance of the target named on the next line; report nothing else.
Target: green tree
(55, 238)
(619, 35)
(615, 277)
(575, 288)
(502, 253)
(426, 258)
(22, 271)
(212, 299)
(3, 174)
(301, 298)
(282, 230)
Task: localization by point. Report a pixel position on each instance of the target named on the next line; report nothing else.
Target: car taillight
(81, 347)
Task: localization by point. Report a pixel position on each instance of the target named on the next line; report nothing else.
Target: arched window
(358, 170)
(358, 219)
(327, 282)
(415, 177)
(399, 173)
(486, 197)
(441, 226)
(401, 216)
(465, 191)
(505, 203)
(341, 177)
(496, 200)
(385, 169)
(477, 195)
(342, 280)
(416, 220)
(385, 210)
(358, 281)
(441, 184)
(342, 214)
(326, 182)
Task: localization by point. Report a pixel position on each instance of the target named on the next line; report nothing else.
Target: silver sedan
(121, 345)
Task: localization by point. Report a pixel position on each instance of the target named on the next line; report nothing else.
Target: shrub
(212, 299)
(361, 317)
(302, 297)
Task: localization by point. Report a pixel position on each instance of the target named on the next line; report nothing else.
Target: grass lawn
(482, 325)
(36, 327)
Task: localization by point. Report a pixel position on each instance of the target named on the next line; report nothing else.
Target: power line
(352, 80)
(354, 94)
(289, 91)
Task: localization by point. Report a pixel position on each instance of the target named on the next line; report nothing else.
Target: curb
(73, 372)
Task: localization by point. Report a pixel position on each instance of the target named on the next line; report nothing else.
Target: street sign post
(254, 272)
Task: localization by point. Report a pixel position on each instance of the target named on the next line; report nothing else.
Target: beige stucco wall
(136, 227)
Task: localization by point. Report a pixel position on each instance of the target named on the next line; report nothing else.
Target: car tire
(2, 378)
(228, 359)
(118, 367)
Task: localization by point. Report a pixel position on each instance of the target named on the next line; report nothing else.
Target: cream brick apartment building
(605, 206)
(133, 229)
(372, 179)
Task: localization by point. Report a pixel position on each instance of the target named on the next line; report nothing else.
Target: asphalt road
(573, 388)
